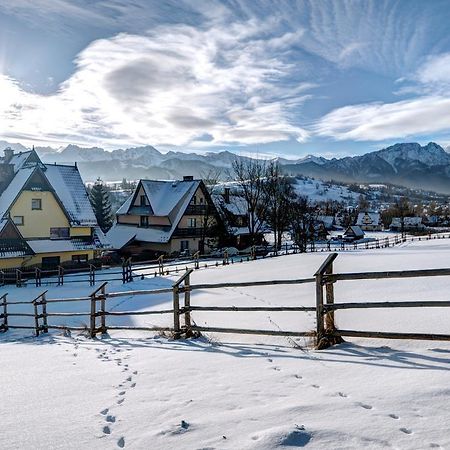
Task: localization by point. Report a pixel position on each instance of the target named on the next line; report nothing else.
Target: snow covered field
(136, 390)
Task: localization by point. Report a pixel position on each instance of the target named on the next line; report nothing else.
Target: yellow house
(166, 217)
(46, 218)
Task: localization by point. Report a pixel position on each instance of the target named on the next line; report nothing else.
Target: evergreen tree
(99, 197)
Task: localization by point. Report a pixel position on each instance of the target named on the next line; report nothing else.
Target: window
(50, 262)
(194, 200)
(184, 245)
(202, 200)
(18, 220)
(192, 223)
(143, 200)
(59, 233)
(79, 258)
(144, 221)
(36, 204)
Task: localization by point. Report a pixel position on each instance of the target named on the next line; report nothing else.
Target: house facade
(369, 221)
(46, 218)
(166, 217)
(409, 224)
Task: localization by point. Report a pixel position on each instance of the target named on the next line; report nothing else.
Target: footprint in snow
(110, 419)
(129, 378)
(394, 416)
(135, 372)
(121, 442)
(365, 405)
(406, 430)
(133, 385)
(315, 386)
(104, 412)
(342, 394)
(122, 393)
(119, 402)
(298, 376)
(106, 430)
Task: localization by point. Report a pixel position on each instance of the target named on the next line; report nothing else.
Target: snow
(317, 190)
(233, 391)
(67, 183)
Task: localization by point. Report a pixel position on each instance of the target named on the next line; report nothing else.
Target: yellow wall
(80, 231)
(37, 223)
(37, 259)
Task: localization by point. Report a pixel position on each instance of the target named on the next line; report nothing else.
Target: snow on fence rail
(161, 266)
(326, 333)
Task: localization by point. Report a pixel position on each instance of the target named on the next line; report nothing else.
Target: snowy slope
(138, 391)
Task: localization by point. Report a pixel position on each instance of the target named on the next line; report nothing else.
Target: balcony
(188, 232)
(198, 210)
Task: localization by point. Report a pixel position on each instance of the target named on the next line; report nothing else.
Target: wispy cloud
(170, 87)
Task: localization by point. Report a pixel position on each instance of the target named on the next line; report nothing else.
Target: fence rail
(162, 266)
(325, 334)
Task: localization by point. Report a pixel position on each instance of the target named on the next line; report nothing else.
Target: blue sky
(263, 77)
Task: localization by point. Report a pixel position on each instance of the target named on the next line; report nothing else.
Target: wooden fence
(325, 334)
(128, 270)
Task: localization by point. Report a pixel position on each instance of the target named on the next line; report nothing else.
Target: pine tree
(99, 197)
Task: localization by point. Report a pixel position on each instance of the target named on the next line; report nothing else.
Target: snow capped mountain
(406, 164)
(430, 154)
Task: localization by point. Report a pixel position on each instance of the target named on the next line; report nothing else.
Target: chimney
(226, 195)
(9, 153)
(188, 178)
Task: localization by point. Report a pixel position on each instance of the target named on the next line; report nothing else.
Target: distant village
(50, 218)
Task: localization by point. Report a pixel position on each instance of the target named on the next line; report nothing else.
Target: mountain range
(405, 164)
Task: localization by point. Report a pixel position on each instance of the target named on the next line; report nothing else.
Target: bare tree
(278, 194)
(303, 216)
(250, 175)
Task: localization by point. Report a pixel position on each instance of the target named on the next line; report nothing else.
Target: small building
(354, 233)
(327, 221)
(46, 218)
(409, 224)
(369, 221)
(232, 207)
(165, 217)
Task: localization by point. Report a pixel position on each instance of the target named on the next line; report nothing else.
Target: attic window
(36, 204)
(143, 200)
(18, 220)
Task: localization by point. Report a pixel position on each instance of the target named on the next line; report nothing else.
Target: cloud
(379, 121)
(170, 87)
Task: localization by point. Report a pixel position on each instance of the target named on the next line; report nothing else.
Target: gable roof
(12, 247)
(166, 198)
(69, 188)
(374, 218)
(66, 185)
(355, 230)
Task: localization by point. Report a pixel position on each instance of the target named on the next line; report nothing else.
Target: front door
(50, 262)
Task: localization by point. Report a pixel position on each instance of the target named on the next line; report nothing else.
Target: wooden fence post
(91, 274)
(38, 276)
(18, 278)
(176, 312)
(325, 321)
(225, 258)
(130, 271)
(36, 318)
(161, 265)
(92, 317)
(44, 312)
(103, 308)
(2, 278)
(187, 304)
(60, 276)
(4, 315)
(196, 259)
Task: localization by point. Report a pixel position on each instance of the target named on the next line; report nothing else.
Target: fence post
(44, 312)
(103, 308)
(130, 270)
(93, 314)
(324, 327)
(36, 318)
(60, 276)
(18, 278)
(2, 278)
(161, 265)
(4, 315)
(225, 258)
(91, 274)
(176, 312)
(187, 304)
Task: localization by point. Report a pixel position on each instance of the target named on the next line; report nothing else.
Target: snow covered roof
(408, 221)
(13, 189)
(368, 218)
(69, 187)
(163, 196)
(61, 245)
(167, 199)
(354, 230)
(236, 206)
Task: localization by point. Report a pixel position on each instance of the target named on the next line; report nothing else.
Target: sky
(288, 78)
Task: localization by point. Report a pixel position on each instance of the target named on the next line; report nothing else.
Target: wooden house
(46, 218)
(165, 217)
